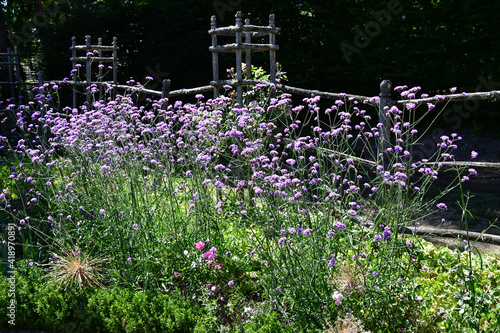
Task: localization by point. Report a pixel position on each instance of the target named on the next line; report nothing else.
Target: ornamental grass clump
(72, 268)
(267, 202)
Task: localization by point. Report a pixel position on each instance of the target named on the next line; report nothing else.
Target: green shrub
(44, 306)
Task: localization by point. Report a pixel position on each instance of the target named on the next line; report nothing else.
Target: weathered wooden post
(383, 116)
(165, 88)
(40, 79)
(42, 112)
(88, 63)
(248, 53)
(115, 65)
(18, 74)
(215, 56)
(272, 56)
(100, 67)
(239, 74)
(73, 67)
(11, 78)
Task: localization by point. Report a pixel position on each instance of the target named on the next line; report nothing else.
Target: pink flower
(337, 297)
(200, 245)
(209, 255)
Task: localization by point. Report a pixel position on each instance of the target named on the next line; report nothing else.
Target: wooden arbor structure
(93, 54)
(10, 61)
(240, 30)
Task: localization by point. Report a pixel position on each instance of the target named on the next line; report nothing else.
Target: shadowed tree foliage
(344, 45)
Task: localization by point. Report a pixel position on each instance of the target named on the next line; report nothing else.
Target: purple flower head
(387, 232)
(338, 225)
(442, 206)
(102, 211)
(230, 283)
(473, 154)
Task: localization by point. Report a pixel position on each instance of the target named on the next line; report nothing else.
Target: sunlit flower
(337, 297)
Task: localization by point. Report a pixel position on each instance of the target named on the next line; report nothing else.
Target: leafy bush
(42, 305)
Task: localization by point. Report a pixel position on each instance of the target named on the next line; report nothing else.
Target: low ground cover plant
(258, 217)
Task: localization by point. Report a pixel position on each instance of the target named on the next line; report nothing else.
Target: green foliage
(267, 323)
(45, 307)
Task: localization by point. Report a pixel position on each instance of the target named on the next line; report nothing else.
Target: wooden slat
(452, 98)
(231, 30)
(234, 47)
(95, 47)
(102, 59)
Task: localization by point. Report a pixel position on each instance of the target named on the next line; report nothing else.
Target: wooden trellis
(248, 31)
(93, 54)
(11, 61)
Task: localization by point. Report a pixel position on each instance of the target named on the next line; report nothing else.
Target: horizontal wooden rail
(232, 30)
(485, 166)
(295, 90)
(243, 46)
(190, 91)
(106, 59)
(451, 98)
(94, 47)
(140, 89)
(20, 82)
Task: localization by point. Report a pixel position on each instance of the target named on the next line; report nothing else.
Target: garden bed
(214, 217)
